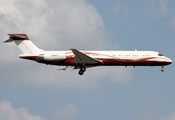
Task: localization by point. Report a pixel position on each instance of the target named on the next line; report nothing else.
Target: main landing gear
(82, 70)
(162, 68)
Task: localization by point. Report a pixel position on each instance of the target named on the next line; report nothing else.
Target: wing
(84, 59)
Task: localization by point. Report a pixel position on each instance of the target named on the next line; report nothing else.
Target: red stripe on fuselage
(110, 62)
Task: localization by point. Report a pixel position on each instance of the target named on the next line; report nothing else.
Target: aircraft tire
(83, 69)
(162, 70)
(81, 72)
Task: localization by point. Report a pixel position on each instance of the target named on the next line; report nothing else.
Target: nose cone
(170, 61)
(166, 61)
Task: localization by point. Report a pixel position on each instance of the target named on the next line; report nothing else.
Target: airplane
(86, 59)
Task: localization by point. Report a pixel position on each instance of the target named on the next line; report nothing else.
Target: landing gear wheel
(162, 70)
(81, 72)
(83, 69)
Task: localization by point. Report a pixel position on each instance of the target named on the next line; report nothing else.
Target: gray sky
(35, 91)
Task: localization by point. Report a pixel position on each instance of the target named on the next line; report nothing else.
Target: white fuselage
(83, 59)
(121, 58)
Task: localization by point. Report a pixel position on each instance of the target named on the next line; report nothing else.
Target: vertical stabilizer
(23, 43)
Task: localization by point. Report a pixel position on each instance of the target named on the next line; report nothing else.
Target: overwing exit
(85, 59)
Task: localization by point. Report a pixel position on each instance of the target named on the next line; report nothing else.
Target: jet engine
(52, 57)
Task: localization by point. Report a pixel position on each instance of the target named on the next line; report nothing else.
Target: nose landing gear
(162, 70)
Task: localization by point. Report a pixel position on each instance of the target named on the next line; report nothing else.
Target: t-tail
(23, 43)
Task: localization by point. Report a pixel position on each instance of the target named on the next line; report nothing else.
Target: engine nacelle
(52, 57)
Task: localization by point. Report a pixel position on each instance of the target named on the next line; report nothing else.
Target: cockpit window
(160, 54)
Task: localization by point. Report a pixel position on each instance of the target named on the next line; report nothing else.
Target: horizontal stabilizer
(9, 40)
(16, 37)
